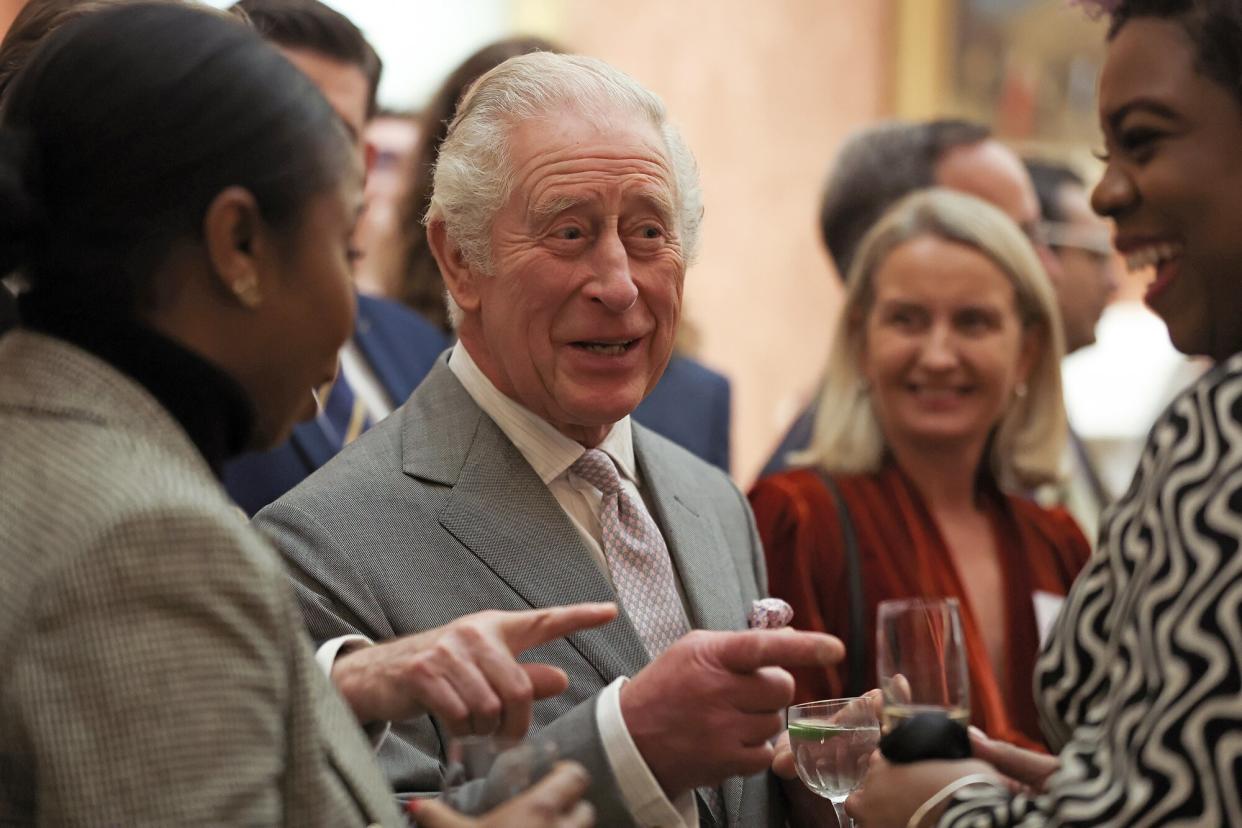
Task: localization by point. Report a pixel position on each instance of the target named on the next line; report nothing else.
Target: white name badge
(1047, 608)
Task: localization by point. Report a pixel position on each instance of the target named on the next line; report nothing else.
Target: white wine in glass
(831, 742)
(921, 660)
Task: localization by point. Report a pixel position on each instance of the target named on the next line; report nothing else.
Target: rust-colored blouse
(903, 554)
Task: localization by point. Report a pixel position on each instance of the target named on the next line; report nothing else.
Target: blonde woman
(942, 406)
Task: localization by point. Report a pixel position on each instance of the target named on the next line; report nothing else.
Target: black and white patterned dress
(1140, 686)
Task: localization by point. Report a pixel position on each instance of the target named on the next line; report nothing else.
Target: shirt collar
(549, 452)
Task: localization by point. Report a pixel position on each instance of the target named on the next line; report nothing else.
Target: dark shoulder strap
(855, 647)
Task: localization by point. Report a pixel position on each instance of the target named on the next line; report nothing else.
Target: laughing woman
(1140, 687)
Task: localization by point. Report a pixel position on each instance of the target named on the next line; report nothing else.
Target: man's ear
(459, 277)
(233, 234)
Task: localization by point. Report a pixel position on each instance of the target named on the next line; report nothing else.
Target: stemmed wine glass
(921, 660)
(831, 741)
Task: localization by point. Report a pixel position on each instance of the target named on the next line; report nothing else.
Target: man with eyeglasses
(1088, 273)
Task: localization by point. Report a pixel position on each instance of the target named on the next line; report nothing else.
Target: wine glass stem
(843, 819)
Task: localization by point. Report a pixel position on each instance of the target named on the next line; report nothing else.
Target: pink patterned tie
(641, 569)
(637, 556)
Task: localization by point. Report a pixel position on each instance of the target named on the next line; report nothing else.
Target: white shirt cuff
(642, 794)
(326, 655)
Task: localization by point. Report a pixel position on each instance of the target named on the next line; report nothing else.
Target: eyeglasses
(1063, 235)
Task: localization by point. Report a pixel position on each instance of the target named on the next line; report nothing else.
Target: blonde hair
(1027, 446)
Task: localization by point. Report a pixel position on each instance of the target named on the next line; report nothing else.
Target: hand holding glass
(921, 660)
(831, 742)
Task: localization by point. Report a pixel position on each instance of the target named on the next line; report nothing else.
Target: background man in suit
(565, 210)
(879, 165)
(392, 348)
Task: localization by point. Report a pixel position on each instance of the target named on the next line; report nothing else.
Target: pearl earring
(247, 292)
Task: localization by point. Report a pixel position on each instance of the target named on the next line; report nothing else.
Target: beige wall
(764, 92)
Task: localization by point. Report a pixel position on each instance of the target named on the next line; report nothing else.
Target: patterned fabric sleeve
(1140, 685)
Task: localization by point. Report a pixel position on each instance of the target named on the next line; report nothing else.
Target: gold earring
(247, 292)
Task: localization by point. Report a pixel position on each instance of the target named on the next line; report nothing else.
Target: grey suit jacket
(153, 667)
(434, 514)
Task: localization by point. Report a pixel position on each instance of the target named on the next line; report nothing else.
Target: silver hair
(473, 179)
(1029, 441)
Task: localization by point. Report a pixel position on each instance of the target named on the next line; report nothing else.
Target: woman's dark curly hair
(1214, 27)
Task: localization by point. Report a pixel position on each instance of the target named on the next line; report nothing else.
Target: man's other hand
(465, 672)
(705, 709)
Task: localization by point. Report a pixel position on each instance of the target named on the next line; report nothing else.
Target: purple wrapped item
(769, 614)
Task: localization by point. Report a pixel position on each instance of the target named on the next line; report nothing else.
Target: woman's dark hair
(420, 285)
(123, 128)
(1214, 27)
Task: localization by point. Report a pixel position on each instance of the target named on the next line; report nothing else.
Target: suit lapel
(502, 512)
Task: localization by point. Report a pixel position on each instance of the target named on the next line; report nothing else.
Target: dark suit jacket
(434, 514)
(691, 407)
(398, 344)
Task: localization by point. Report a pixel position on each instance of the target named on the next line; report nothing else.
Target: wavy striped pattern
(1139, 686)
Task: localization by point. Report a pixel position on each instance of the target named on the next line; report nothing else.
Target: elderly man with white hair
(565, 211)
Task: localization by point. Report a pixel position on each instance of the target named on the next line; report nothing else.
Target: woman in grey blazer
(179, 201)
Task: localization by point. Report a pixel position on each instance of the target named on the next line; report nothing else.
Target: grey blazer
(434, 514)
(153, 667)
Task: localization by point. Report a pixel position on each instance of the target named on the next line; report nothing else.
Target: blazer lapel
(502, 512)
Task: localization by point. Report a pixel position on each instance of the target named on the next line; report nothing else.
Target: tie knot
(597, 468)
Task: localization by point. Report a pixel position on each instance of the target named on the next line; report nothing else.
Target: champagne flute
(921, 660)
(831, 742)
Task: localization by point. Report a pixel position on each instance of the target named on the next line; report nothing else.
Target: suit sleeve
(335, 601)
(153, 684)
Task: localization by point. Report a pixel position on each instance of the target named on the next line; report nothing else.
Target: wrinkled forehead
(569, 154)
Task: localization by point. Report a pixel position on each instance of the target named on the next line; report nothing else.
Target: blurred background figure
(391, 349)
(392, 139)
(942, 406)
(1089, 271)
(1086, 281)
